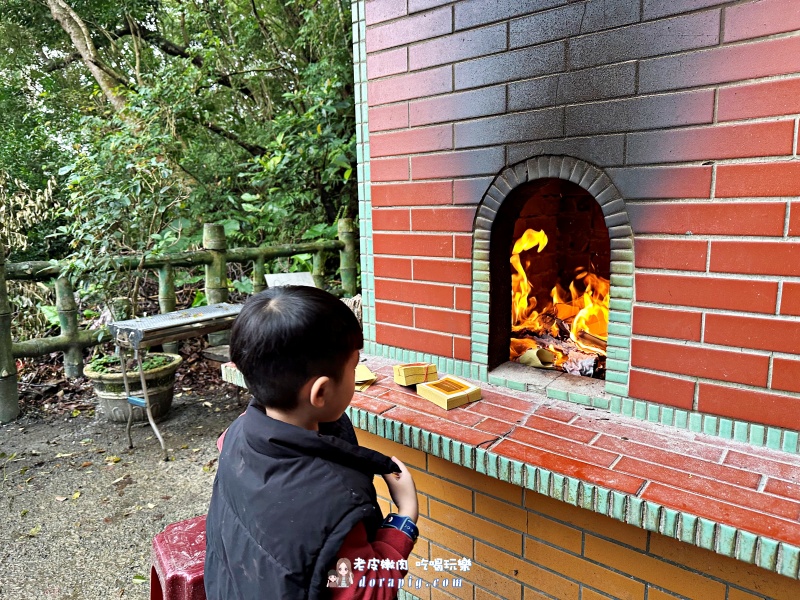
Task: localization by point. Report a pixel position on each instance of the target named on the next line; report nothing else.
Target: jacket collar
(281, 440)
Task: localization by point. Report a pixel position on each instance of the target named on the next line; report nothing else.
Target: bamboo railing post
(216, 274)
(347, 257)
(259, 283)
(318, 269)
(166, 298)
(68, 319)
(9, 394)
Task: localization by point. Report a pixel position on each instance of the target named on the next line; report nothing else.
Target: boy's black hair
(286, 335)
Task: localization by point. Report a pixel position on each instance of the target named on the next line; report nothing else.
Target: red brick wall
(690, 107)
(525, 545)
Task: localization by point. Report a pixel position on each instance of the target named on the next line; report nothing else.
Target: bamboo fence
(215, 257)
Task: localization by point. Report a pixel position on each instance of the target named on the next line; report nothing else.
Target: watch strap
(404, 524)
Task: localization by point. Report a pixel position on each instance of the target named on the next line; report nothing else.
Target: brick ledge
(702, 490)
(643, 474)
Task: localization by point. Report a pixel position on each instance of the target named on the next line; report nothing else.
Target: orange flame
(585, 313)
(520, 307)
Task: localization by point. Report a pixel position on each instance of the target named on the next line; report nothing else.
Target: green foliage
(233, 111)
(109, 363)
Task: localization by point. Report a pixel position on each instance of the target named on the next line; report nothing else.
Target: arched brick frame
(600, 186)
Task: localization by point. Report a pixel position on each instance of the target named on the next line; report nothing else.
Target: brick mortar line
(752, 160)
(726, 275)
(641, 23)
(382, 278)
(709, 125)
(406, 232)
(659, 506)
(711, 346)
(644, 59)
(582, 556)
(718, 237)
(707, 201)
(770, 370)
(700, 162)
(601, 100)
(702, 328)
(727, 385)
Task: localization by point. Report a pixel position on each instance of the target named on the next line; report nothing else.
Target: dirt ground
(78, 509)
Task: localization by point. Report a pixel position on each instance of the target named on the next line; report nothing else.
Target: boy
(293, 496)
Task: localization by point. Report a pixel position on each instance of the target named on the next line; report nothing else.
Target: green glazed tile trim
(669, 522)
(617, 377)
(625, 281)
(721, 538)
(557, 394)
(516, 385)
(363, 167)
(726, 540)
(621, 292)
(621, 305)
(579, 398)
(615, 316)
(619, 330)
(790, 561)
(616, 365)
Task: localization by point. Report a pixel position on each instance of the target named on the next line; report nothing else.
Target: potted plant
(105, 373)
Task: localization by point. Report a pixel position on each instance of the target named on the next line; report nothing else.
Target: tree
(175, 112)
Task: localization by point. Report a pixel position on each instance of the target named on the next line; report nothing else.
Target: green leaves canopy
(222, 110)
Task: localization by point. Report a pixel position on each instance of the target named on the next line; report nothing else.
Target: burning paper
(572, 325)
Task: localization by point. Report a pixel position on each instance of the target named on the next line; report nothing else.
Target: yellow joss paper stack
(449, 392)
(364, 377)
(414, 373)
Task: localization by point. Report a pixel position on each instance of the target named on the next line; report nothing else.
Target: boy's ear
(319, 387)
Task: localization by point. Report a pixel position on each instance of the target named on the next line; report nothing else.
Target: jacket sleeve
(377, 560)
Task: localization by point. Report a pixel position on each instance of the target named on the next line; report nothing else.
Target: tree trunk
(76, 29)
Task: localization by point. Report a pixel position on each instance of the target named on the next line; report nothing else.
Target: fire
(581, 313)
(520, 307)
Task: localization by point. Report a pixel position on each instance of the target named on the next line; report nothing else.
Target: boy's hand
(403, 491)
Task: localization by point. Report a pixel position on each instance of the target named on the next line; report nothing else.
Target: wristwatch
(404, 524)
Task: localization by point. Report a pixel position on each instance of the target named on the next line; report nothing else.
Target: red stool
(179, 553)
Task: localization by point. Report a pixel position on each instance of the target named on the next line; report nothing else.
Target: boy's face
(342, 391)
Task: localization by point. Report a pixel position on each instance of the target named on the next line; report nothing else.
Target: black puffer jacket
(284, 500)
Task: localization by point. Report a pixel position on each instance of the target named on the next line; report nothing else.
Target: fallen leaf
(86, 441)
(113, 459)
(139, 579)
(85, 464)
(23, 512)
(76, 412)
(35, 531)
(63, 455)
(185, 447)
(150, 505)
(208, 404)
(60, 498)
(76, 495)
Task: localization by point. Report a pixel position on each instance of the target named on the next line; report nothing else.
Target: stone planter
(110, 391)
